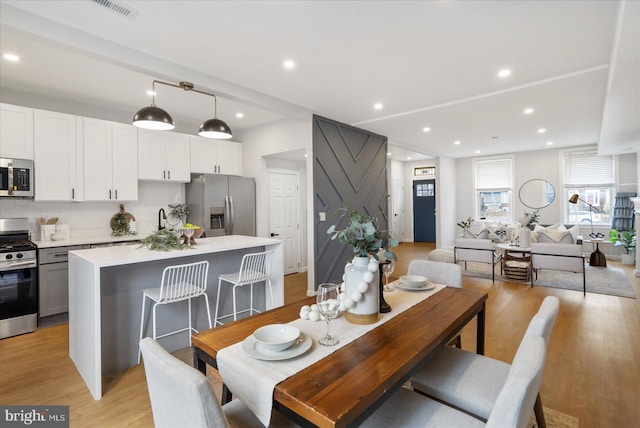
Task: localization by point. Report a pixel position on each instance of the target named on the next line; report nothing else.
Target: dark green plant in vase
(363, 235)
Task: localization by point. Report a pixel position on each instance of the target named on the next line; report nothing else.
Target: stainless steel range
(18, 278)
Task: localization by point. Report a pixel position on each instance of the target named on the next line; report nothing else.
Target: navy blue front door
(424, 209)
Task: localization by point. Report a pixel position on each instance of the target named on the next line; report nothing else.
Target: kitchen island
(105, 299)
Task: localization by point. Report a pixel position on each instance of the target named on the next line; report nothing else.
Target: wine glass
(188, 232)
(329, 306)
(387, 269)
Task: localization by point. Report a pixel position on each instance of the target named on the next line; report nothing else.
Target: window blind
(587, 169)
(493, 174)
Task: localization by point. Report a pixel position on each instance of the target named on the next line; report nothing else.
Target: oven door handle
(21, 264)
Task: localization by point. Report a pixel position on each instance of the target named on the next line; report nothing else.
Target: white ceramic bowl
(276, 337)
(413, 281)
(57, 236)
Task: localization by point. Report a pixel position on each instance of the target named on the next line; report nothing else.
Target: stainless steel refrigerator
(222, 204)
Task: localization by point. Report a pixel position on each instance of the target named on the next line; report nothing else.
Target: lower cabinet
(53, 279)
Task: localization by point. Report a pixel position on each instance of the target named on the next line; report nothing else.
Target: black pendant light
(154, 117)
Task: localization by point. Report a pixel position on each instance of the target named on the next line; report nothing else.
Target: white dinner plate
(301, 346)
(421, 287)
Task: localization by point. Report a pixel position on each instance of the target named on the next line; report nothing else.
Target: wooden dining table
(344, 388)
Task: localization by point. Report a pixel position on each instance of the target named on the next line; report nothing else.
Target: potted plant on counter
(627, 240)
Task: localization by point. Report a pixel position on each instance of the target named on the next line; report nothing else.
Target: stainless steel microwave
(16, 178)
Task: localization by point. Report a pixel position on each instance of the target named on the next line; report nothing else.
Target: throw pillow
(574, 233)
(483, 234)
(497, 233)
(555, 236)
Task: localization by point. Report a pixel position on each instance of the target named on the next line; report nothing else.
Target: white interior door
(284, 210)
(397, 223)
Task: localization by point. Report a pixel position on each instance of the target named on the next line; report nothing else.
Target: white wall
(279, 137)
(546, 164)
(89, 219)
(396, 172)
(446, 186)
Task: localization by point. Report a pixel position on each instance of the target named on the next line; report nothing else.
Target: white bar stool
(254, 268)
(179, 283)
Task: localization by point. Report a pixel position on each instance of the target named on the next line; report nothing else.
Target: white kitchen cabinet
(210, 156)
(163, 155)
(57, 157)
(110, 160)
(16, 132)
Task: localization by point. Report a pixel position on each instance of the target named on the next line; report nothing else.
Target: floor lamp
(597, 257)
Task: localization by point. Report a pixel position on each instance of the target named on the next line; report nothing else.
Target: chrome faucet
(161, 216)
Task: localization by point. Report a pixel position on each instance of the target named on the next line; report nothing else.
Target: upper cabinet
(110, 160)
(210, 156)
(16, 132)
(163, 155)
(57, 156)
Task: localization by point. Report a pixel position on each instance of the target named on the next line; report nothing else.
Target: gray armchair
(562, 257)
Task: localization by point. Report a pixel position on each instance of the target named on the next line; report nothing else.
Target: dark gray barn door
(349, 164)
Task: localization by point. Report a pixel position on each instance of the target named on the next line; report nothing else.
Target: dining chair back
(181, 396)
(439, 272)
(254, 268)
(179, 283)
(472, 382)
(406, 408)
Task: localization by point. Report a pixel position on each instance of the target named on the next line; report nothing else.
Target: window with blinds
(493, 180)
(592, 177)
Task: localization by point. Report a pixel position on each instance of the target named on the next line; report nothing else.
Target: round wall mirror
(537, 193)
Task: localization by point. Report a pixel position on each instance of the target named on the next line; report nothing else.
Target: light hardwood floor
(592, 370)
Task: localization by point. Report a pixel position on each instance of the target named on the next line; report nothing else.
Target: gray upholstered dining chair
(441, 273)
(477, 250)
(473, 382)
(512, 406)
(181, 396)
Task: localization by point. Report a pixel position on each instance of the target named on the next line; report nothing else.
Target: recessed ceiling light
(378, 106)
(477, 152)
(528, 110)
(239, 115)
(306, 155)
(11, 57)
(456, 142)
(504, 73)
(542, 131)
(427, 129)
(388, 153)
(549, 143)
(150, 93)
(289, 64)
(408, 157)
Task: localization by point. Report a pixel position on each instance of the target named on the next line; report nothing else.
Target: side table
(518, 254)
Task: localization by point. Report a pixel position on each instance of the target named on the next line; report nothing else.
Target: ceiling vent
(116, 8)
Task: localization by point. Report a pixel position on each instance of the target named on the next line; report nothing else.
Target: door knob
(274, 234)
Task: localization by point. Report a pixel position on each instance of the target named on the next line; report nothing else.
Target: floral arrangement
(530, 219)
(362, 234)
(466, 224)
(624, 239)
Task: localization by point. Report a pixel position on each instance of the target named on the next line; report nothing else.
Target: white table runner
(253, 381)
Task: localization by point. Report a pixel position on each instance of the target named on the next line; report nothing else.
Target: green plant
(162, 240)
(465, 224)
(121, 225)
(531, 218)
(627, 239)
(179, 211)
(362, 234)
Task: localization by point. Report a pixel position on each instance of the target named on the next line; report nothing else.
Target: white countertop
(86, 240)
(122, 255)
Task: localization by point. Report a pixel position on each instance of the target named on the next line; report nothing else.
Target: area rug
(611, 281)
(555, 419)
